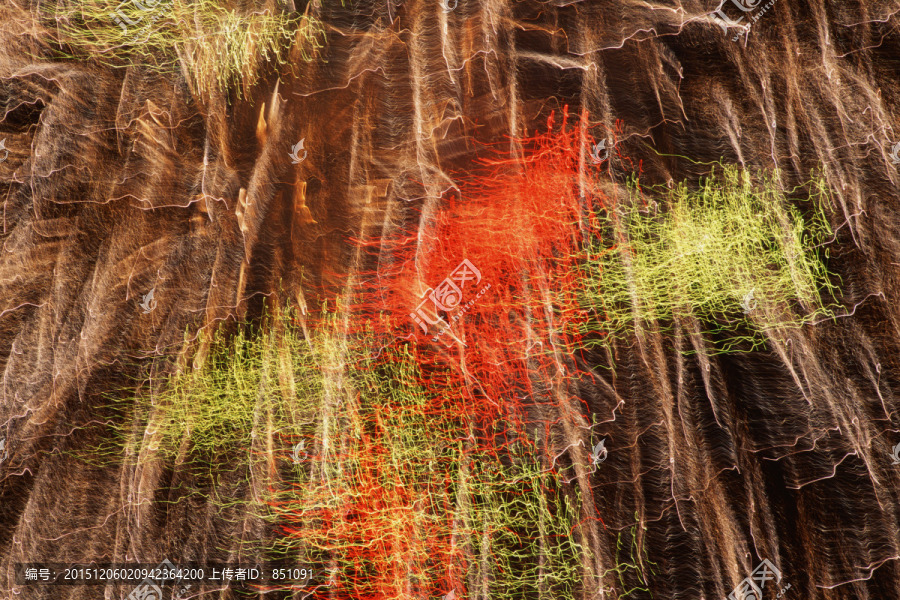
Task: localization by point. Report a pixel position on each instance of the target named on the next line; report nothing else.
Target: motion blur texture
(122, 180)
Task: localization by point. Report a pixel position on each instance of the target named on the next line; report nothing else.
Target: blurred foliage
(217, 47)
(734, 254)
